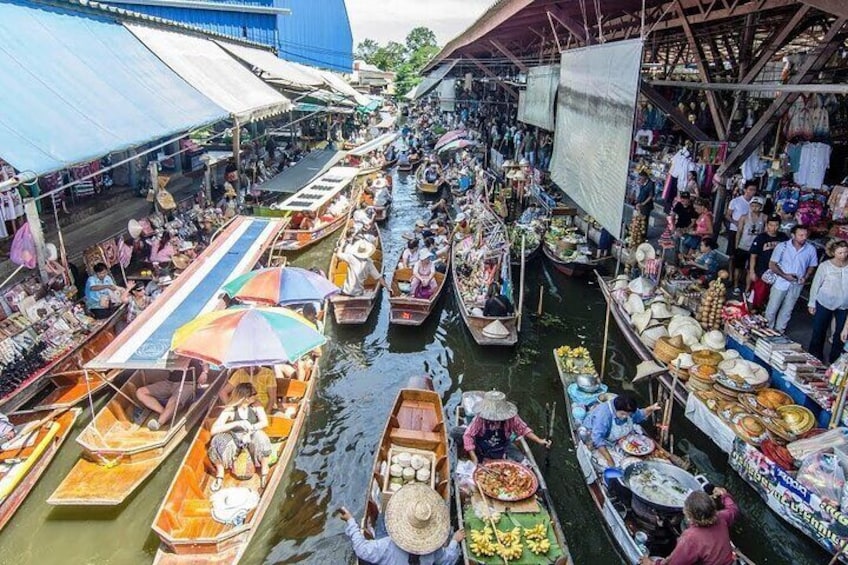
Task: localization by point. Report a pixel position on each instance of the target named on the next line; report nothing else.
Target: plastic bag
(822, 474)
(23, 248)
(464, 476)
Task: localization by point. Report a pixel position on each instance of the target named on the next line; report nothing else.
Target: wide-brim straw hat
(661, 311)
(634, 304)
(495, 407)
(684, 361)
(363, 249)
(641, 320)
(715, 340)
(678, 322)
(641, 286)
(181, 261)
(652, 333)
(495, 330)
(680, 311)
(620, 282)
(644, 252)
(134, 228)
(417, 519)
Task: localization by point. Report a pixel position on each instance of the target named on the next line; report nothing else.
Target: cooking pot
(588, 382)
(687, 481)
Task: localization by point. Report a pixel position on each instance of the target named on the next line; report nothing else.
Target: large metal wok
(686, 481)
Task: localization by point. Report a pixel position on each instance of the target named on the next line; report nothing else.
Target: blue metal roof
(315, 33)
(83, 87)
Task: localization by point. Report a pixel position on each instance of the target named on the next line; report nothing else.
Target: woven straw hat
(644, 252)
(714, 340)
(641, 320)
(642, 286)
(363, 249)
(620, 282)
(661, 311)
(417, 519)
(634, 304)
(134, 228)
(495, 407)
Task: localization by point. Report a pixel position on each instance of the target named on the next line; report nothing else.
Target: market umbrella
(280, 285)
(450, 136)
(242, 337)
(455, 145)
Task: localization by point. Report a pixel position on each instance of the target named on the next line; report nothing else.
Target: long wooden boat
(389, 164)
(489, 234)
(416, 424)
(184, 522)
(23, 462)
(569, 268)
(120, 453)
(428, 187)
(532, 247)
(315, 198)
(410, 166)
(542, 498)
(355, 309)
(406, 310)
(65, 375)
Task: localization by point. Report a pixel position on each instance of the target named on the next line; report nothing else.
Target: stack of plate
(730, 412)
(701, 377)
(751, 429)
(797, 419)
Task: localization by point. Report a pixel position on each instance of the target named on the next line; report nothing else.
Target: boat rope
(93, 423)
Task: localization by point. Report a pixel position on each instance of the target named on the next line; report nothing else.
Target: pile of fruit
(508, 545)
(575, 359)
(712, 303)
(637, 230)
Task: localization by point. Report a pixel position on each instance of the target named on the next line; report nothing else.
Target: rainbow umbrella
(280, 285)
(242, 337)
(450, 136)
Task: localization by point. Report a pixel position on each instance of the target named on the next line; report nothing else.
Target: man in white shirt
(360, 268)
(738, 207)
(794, 262)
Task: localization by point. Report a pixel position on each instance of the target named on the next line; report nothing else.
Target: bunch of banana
(537, 532)
(512, 551)
(540, 547)
(482, 543)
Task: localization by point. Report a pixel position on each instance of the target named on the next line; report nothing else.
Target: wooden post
(237, 156)
(521, 289)
(606, 337)
(541, 297)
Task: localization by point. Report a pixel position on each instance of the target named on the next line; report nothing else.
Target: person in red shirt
(707, 539)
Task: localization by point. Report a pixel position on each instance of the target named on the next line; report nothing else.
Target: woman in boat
(137, 300)
(707, 539)
(418, 524)
(497, 305)
(423, 278)
(431, 173)
(239, 426)
(491, 432)
(409, 257)
(161, 249)
(610, 421)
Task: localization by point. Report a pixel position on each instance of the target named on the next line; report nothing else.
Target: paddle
(549, 416)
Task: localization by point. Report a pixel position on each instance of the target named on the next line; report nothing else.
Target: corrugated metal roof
(317, 33)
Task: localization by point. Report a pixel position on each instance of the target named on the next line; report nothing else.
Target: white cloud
(391, 20)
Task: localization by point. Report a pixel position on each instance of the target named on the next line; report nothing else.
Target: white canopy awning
(431, 81)
(373, 145)
(340, 85)
(320, 191)
(208, 68)
(285, 73)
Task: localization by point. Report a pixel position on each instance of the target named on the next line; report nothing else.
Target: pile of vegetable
(407, 468)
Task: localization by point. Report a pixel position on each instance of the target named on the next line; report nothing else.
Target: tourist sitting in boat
(418, 526)
(403, 158)
(263, 380)
(707, 539)
(495, 425)
(175, 392)
(431, 173)
(439, 210)
(239, 426)
(610, 421)
(363, 217)
(382, 194)
(497, 305)
(338, 206)
(360, 268)
(423, 283)
(102, 295)
(136, 300)
(409, 257)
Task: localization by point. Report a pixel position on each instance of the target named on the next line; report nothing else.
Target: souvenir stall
(11, 203)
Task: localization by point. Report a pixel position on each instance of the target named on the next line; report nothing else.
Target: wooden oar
(491, 520)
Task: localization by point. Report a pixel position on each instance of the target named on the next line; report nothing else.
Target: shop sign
(792, 501)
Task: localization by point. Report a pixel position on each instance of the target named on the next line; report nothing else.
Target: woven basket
(682, 374)
(707, 357)
(243, 468)
(668, 348)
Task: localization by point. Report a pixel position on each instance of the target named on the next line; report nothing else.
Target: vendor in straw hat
(361, 268)
(707, 539)
(496, 422)
(418, 523)
(610, 421)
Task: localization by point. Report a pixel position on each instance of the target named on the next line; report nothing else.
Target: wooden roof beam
(712, 99)
(774, 44)
(835, 7)
(509, 55)
(572, 26)
(509, 90)
(673, 113)
(810, 67)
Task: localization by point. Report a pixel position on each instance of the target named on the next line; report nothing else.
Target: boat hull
(568, 268)
(351, 310)
(298, 240)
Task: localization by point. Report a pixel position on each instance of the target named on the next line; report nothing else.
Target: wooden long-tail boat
(314, 199)
(542, 498)
(22, 462)
(407, 310)
(487, 240)
(428, 187)
(184, 522)
(416, 424)
(354, 309)
(567, 266)
(532, 243)
(119, 450)
(65, 375)
(410, 165)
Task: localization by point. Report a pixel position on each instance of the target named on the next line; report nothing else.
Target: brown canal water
(362, 370)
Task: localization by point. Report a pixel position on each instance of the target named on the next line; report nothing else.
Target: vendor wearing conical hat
(496, 423)
(418, 523)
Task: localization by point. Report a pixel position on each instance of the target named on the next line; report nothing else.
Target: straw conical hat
(641, 320)
(496, 330)
(646, 369)
(495, 407)
(634, 304)
(641, 286)
(417, 519)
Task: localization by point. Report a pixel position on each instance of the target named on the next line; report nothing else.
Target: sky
(391, 20)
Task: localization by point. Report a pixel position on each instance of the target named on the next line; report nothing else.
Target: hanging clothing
(813, 164)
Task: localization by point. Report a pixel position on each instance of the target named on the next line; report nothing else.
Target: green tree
(366, 49)
(420, 37)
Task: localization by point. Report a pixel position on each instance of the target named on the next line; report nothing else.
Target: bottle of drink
(641, 539)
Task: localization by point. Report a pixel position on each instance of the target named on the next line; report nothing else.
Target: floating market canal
(362, 370)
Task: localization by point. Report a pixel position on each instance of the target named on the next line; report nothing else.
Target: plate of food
(506, 480)
(637, 445)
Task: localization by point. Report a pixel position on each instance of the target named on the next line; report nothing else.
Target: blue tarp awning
(78, 87)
